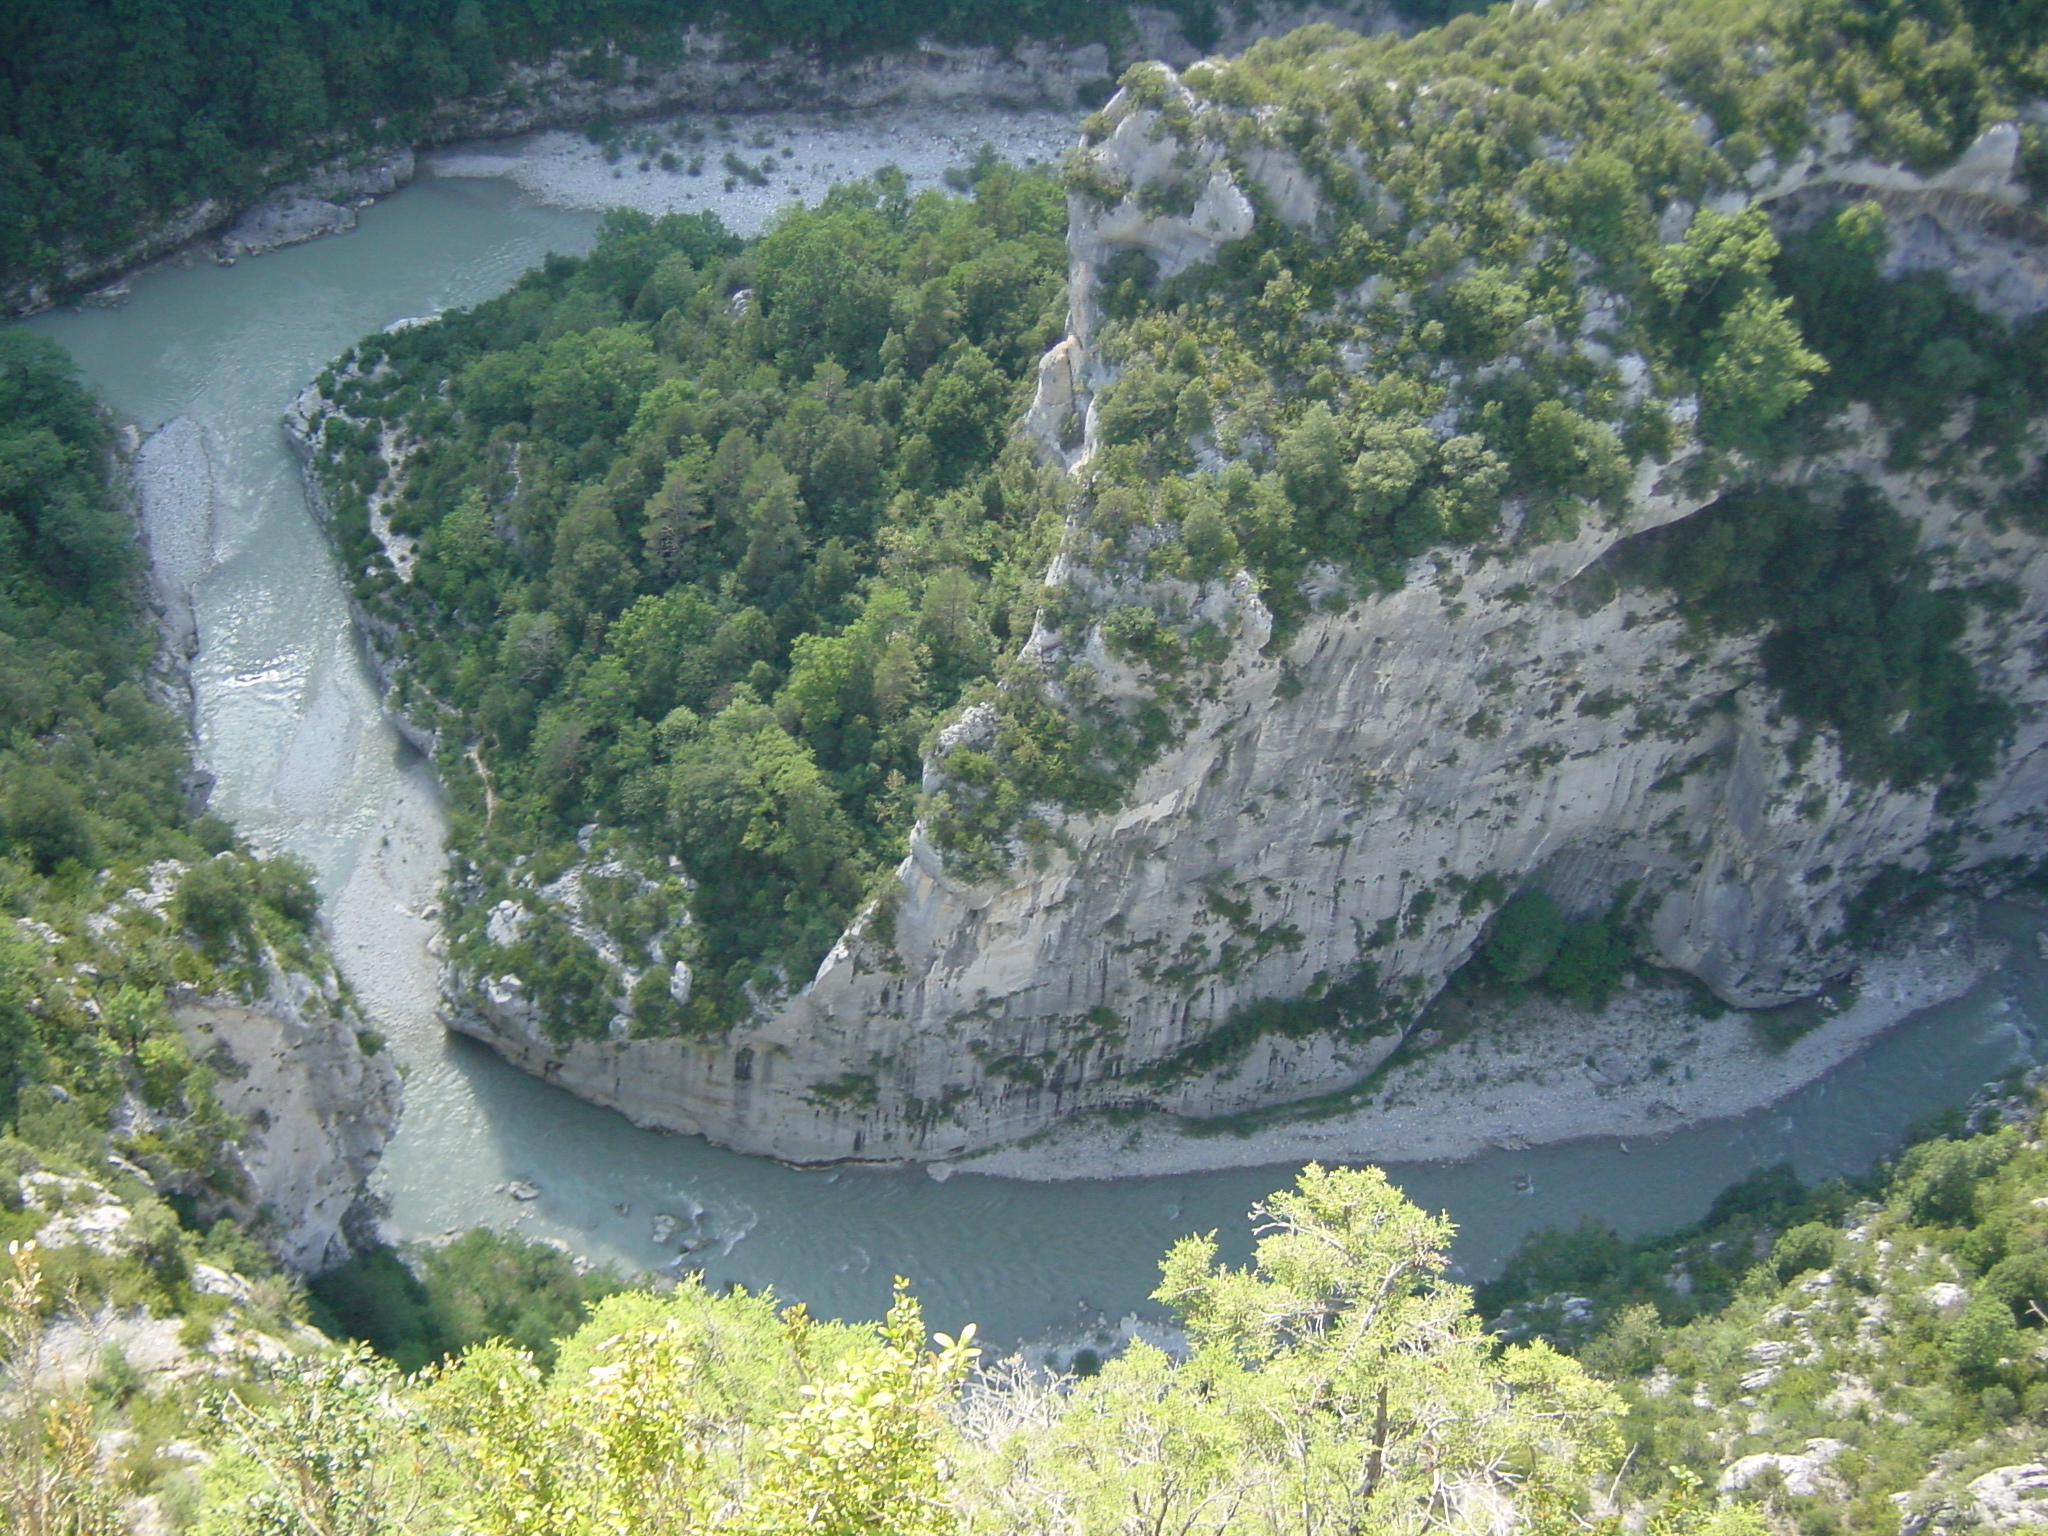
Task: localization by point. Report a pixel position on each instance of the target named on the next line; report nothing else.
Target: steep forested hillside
(691, 550)
(1497, 269)
(707, 539)
(1852, 1358)
(710, 539)
(118, 900)
(112, 116)
(96, 810)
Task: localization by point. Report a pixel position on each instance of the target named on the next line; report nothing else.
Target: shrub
(1590, 959)
(1937, 1181)
(1524, 937)
(1809, 1246)
(213, 903)
(1981, 1339)
(285, 883)
(46, 817)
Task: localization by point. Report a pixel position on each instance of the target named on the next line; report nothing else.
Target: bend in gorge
(1459, 594)
(1463, 520)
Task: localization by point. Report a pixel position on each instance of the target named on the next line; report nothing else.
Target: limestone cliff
(310, 1095)
(320, 1098)
(1293, 876)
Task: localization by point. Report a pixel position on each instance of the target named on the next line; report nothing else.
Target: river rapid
(288, 721)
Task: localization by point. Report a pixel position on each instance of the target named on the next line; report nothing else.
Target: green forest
(113, 116)
(712, 538)
(690, 549)
(765, 533)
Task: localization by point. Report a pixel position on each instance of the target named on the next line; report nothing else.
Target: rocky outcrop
(173, 476)
(1315, 839)
(292, 1060)
(322, 203)
(320, 1097)
(2012, 1498)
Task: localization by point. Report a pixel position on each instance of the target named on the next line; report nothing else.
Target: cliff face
(1295, 876)
(320, 1099)
(286, 1054)
(708, 75)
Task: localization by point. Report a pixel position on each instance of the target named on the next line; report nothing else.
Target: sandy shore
(802, 155)
(1649, 1064)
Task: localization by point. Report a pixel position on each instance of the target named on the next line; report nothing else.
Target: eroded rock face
(1316, 836)
(285, 221)
(320, 1097)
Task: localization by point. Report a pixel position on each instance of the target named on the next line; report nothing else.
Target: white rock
(506, 924)
(1803, 1474)
(320, 1107)
(2010, 1498)
(289, 221)
(1946, 1297)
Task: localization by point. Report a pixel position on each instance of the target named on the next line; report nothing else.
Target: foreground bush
(1337, 1383)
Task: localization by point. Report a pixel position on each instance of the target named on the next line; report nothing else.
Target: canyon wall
(1289, 882)
(320, 1097)
(705, 74)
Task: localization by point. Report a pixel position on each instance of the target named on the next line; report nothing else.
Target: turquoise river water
(289, 723)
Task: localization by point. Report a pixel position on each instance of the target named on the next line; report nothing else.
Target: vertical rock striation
(320, 1099)
(1289, 881)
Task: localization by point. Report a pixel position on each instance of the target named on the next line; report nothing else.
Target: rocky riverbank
(321, 201)
(746, 169)
(706, 75)
(294, 1060)
(1534, 1071)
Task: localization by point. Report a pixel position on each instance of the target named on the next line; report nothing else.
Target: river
(288, 721)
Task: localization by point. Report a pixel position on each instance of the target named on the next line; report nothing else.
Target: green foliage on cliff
(97, 922)
(437, 1301)
(1857, 640)
(710, 536)
(1510, 212)
(1528, 942)
(113, 116)
(1495, 269)
(1337, 1379)
(1852, 1358)
(1895, 1323)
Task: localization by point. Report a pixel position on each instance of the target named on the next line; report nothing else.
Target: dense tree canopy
(115, 115)
(709, 536)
